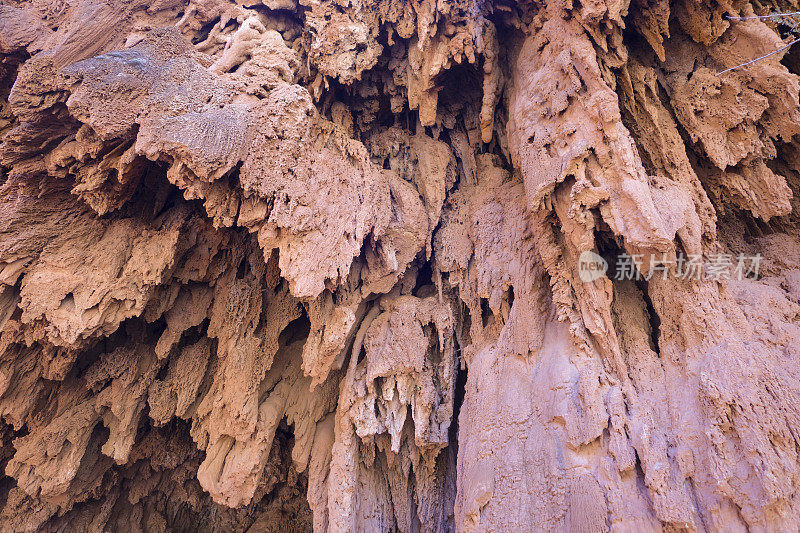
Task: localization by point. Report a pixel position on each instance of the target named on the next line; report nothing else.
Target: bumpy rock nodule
(274, 265)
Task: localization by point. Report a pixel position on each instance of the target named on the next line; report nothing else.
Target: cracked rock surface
(283, 265)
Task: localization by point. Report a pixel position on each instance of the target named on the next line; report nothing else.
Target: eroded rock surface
(275, 265)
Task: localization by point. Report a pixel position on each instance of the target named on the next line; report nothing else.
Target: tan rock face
(285, 265)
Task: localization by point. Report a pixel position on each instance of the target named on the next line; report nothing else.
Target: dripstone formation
(283, 265)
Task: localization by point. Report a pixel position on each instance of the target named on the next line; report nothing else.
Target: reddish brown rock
(281, 265)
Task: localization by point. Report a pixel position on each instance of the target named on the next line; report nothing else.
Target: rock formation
(275, 265)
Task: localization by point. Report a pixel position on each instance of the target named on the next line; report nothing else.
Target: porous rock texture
(275, 265)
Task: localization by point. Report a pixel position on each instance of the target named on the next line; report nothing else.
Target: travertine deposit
(275, 265)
